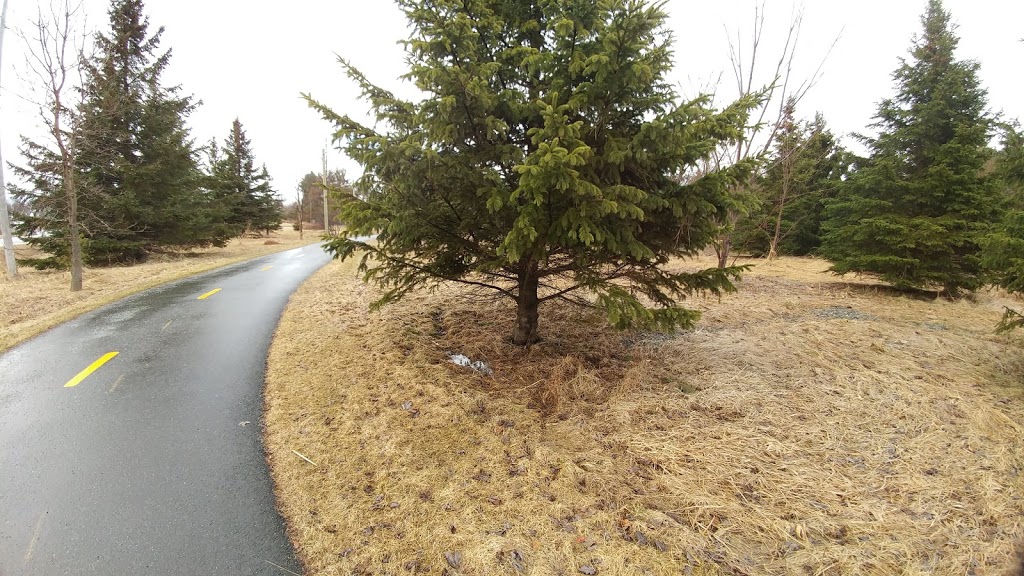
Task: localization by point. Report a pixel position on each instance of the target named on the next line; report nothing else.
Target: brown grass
(36, 301)
(809, 425)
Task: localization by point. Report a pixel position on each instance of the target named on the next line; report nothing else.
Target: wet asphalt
(154, 463)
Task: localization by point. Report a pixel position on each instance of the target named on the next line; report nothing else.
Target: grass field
(36, 301)
(809, 425)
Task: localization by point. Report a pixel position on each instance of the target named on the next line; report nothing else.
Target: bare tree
(770, 115)
(56, 45)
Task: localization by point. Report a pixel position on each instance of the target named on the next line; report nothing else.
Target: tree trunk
(527, 313)
(773, 248)
(76, 240)
(723, 249)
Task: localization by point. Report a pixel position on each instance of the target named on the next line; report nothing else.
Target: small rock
(394, 505)
(494, 501)
(407, 405)
(588, 570)
(454, 559)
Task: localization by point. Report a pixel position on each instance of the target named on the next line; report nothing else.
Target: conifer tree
(543, 163)
(805, 168)
(1003, 254)
(141, 159)
(311, 191)
(249, 202)
(915, 210)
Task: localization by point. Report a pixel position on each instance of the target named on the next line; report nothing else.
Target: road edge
(68, 314)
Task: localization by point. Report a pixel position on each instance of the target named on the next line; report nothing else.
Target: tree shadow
(878, 289)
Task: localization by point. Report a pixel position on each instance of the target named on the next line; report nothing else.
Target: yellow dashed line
(208, 294)
(92, 368)
(166, 325)
(265, 268)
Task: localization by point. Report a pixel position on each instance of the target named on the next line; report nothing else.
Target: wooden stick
(303, 457)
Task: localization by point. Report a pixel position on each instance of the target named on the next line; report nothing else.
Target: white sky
(252, 59)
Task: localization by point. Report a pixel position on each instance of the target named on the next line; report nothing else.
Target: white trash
(478, 365)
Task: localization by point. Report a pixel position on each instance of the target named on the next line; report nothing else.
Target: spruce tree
(804, 169)
(311, 191)
(915, 209)
(249, 202)
(141, 159)
(543, 163)
(1003, 254)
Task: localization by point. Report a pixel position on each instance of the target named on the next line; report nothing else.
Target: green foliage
(805, 168)
(42, 205)
(243, 192)
(310, 190)
(547, 160)
(1004, 246)
(139, 186)
(916, 209)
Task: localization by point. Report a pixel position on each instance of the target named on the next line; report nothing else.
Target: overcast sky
(252, 60)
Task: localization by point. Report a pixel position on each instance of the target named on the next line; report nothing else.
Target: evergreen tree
(250, 204)
(1004, 247)
(543, 163)
(916, 208)
(311, 191)
(141, 159)
(806, 166)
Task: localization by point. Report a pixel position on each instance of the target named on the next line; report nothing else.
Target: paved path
(153, 462)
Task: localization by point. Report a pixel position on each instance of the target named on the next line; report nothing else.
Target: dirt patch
(807, 425)
(36, 301)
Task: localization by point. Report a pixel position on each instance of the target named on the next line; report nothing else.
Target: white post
(5, 217)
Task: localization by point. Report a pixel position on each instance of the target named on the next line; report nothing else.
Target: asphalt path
(152, 463)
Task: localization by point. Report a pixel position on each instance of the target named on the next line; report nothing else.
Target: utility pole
(327, 222)
(5, 217)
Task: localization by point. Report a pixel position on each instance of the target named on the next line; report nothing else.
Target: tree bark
(723, 249)
(76, 240)
(527, 313)
(773, 248)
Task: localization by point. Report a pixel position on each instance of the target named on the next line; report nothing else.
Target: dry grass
(810, 425)
(36, 301)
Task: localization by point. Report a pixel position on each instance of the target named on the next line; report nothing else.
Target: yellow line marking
(35, 536)
(116, 382)
(92, 368)
(166, 325)
(265, 268)
(208, 294)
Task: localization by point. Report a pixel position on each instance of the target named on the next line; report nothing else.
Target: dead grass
(809, 425)
(36, 301)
